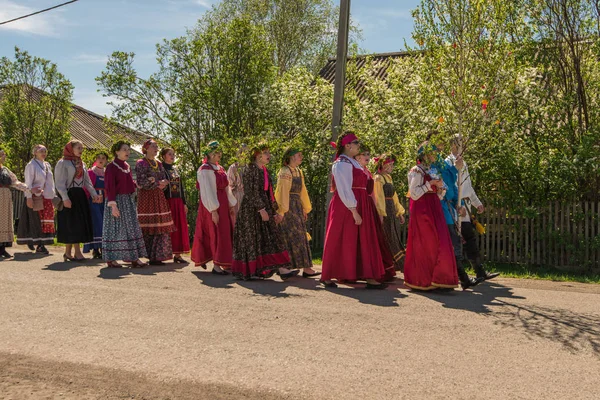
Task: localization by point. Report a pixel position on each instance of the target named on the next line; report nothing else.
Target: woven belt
(363, 188)
(298, 193)
(389, 198)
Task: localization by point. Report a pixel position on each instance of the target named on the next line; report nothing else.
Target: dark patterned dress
(392, 228)
(175, 194)
(293, 226)
(154, 213)
(258, 248)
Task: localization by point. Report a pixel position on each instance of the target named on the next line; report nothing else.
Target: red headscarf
(147, 144)
(69, 155)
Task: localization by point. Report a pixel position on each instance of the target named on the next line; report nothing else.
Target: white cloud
(85, 58)
(204, 3)
(43, 24)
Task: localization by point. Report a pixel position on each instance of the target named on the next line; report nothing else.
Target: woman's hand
(67, 204)
(357, 217)
(402, 219)
(437, 182)
(185, 209)
(381, 219)
(264, 215)
(163, 183)
(30, 203)
(215, 217)
(278, 218)
(232, 214)
(115, 211)
(36, 190)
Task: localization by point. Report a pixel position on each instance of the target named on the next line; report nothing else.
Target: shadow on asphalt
(67, 266)
(120, 273)
(381, 298)
(477, 300)
(26, 257)
(574, 331)
(214, 281)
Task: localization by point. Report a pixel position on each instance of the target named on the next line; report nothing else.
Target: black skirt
(75, 223)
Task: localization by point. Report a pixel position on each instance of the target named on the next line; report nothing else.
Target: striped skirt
(122, 237)
(157, 224)
(36, 227)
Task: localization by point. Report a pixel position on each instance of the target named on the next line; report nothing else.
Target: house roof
(381, 61)
(91, 130)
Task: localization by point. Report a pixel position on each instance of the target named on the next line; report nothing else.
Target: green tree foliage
(207, 86)
(35, 108)
(302, 32)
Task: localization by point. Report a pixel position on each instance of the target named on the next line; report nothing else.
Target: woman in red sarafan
(429, 262)
(154, 213)
(175, 194)
(352, 250)
(258, 248)
(214, 226)
(363, 158)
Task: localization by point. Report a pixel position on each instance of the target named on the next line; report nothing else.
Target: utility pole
(340, 69)
(340, 85)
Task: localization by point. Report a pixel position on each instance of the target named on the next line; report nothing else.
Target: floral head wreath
(211, 148)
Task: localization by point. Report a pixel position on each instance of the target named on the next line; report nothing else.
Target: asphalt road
(70, 331)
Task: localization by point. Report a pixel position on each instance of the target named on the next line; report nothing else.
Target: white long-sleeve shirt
(342, 171)
(65, 179)
(208, 189)
(467, 191)
(417, 186)
(39, 174)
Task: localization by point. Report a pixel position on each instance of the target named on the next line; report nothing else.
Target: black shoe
(156, 262)
(222, 272)
(179, 260)
(305, 275)
(486, 276)
(42, 250)
(468, 283)
(379, 286)
(328, 284)
(203, 266)
(289, 275)
(30, 246)
(96, 254)
(5, 254)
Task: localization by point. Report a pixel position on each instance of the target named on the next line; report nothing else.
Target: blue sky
(80, 36)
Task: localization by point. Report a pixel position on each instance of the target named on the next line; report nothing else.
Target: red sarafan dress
(430, 261)
(351, 251)
(386, 253)
(213, 242)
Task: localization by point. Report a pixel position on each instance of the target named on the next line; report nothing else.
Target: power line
(38, 12)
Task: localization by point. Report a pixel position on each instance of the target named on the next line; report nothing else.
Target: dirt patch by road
(23, 377)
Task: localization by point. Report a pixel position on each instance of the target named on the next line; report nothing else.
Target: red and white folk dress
(351, 251)
(213, 242)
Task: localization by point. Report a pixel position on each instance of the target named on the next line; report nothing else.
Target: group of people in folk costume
(245, 225)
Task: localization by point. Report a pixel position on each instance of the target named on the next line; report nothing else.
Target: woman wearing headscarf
(8, 180)
(258, 248)
(36, 224)
(75, 219)
(96, 174)
(175, 194)
(153, 209)
(389, 208)
(429, 262)
(214, 225)
(293, 204)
